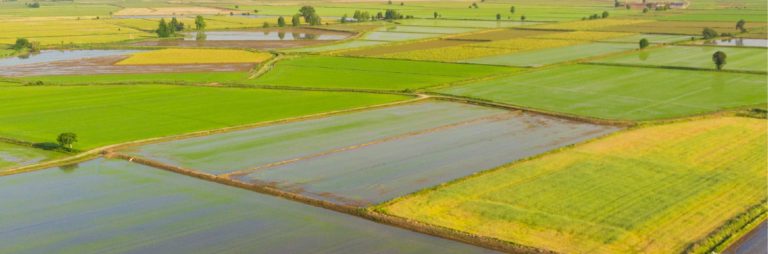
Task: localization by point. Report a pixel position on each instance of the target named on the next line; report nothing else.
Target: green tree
(436, 15)
(605, 14)
(498, 16)
(199, 22)
(265, 25)
(296, 20)
(162, 29)
(740, 26)
(719, 58)
(522, 18)
(307, 12)
(709, 33)
(644, 43)
(344, 19)
(281, 21)
(512, 9)
(21, 43)
(66, 140)
(314, 20)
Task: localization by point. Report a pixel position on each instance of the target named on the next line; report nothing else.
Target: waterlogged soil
(257, 39)
(105, 65)
(113, 206)
(12, 156)
(369, 157)
(739, 42)
(48, 56)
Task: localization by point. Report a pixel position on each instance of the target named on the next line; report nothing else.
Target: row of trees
(168, 29)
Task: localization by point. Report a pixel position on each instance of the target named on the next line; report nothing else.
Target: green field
(12, 155)
(197, 78)
(541, 57)
(367, 73)
(653, 190)
(103, 115)
(621, 93)
(741, 59)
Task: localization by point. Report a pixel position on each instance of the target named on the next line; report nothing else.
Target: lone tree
(498, 16)
(296, 20)
(512, 9)
(644, 43)
(66, 140)
(740, 26)
(199, 22)
(22, 43)
(436, 15)
(281, 21)
(709, 33)
(719, 59)
(605, 14)
(522, 18)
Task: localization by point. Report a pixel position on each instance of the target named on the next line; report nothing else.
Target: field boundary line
(381, 218)
(370, 143)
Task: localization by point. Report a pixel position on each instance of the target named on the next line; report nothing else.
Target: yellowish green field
(484, 49)
(656, 189)
(592, 24)
(66, 30)
(195, 56)
(582, 35)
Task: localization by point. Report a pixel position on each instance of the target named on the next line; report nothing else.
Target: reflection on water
(267, 35)
(47, 56)
(740, 42)
(69, 168)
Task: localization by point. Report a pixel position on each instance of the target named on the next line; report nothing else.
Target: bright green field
(203, 77)
(554, 55)
(745, 59)
(652, 190)
(367, 73)
(621, 93)
(16, 155)
(102, 115)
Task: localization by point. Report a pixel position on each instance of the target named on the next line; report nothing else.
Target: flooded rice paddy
(257, 39)
(369, 157)
(48, 56)
(12, 156)
(740, 42)
(114, 206)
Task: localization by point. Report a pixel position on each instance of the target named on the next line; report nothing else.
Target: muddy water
(740, 42)
(106, 206)
(47, 56)
(755, 242)
(259, 39)
(105, 65)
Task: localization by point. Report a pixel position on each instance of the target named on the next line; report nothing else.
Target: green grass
(198, 78)
(17, 155)
(652, 190)
(553, 55)
(50, 9)
(621, 93)
(367, 73)
(744, 59)
(102, 115)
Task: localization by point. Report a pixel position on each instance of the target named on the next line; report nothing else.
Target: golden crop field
(449, 54)
(65, 30)
(656, 189)
(195, 56)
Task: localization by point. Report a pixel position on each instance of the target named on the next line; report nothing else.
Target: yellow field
(195, 56)
(169, 11)
(592, 24)
(49, 31)
(582, 35)
(651, 190)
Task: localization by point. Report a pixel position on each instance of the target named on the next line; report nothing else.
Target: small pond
(739, 42)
